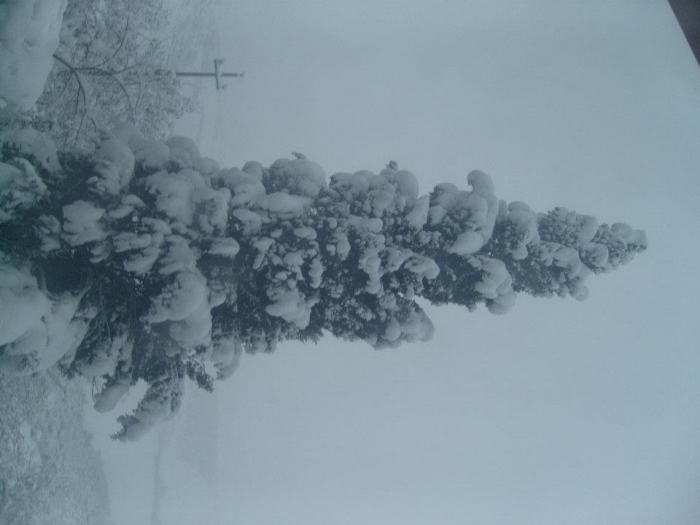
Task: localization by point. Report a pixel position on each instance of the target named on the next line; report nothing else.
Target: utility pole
(217, 74)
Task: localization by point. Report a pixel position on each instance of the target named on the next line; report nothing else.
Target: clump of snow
(151, 154)
(416, 326)
(184, 304)
(290, 305)
(350, 186)
(22, 304)
(467, 243)
(227, 247)
(146, 247)
(161, 402)
(82, 223)
(562, 224)
(467, 217)
(316, 272)
(254, 169)
(43, 341)
(211, 209)
(128, 205)
(114, 166)
(173, 192)
(30, 32)
(250, 221)
(480, 182)
(598, 254)
(30, 144)
(406, 183)
(101, 360)
(423, 266)
(283, 205)
(178, 257)
(442, 201)
(108, 398)
(495, 285)
(629, 236)
(184, 151)
(392, 330)
(621, 243)
(20, 188)
(246, 187)
(418, 216)
(206, 166)
(36, 331)
(296, 176)
(226, 357)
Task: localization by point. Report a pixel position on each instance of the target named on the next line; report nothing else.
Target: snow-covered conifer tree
(143, 260)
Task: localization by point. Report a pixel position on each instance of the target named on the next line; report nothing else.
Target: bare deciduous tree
(111, 68)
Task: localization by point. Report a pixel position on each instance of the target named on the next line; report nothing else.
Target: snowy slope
(48, 467)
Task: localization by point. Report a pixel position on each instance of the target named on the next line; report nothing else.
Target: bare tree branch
(77, 77)
(119, 47)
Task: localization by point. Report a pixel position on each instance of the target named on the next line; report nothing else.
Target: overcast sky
(558, 413)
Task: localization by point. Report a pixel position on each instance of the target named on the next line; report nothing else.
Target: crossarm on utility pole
(183, 74)
(216, 74)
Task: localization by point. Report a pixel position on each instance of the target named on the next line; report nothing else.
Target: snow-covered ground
(48, 467)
